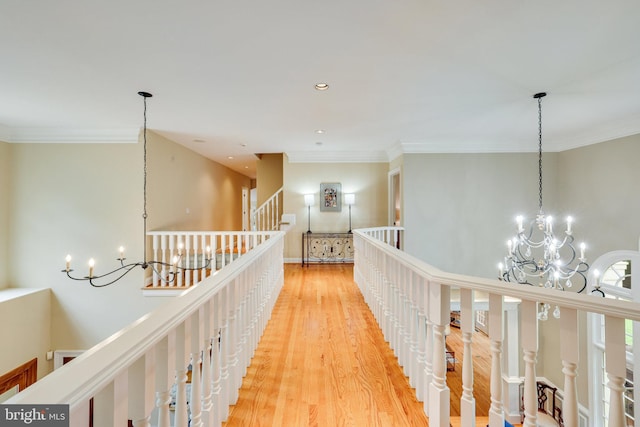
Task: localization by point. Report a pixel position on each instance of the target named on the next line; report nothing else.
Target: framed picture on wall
(330, 197)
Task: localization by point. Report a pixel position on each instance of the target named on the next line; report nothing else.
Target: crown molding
(68, 135)
(337, 157)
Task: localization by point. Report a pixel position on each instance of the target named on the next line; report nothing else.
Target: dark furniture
(549, 413)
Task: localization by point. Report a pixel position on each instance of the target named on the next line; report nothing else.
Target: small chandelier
(172, 271)
(539, 257)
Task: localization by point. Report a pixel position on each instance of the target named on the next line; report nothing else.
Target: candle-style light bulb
(67, 260)
(519, 220)
(121, 251)
(501, 270)
(175, 264)
(569, 221)
(582, 248)
(92, 263)
(596, 276)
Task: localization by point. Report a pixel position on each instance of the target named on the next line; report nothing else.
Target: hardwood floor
(323, 361)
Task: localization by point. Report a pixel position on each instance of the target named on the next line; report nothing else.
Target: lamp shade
(349, 199)
(308, 199)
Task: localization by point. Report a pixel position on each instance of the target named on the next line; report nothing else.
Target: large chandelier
(537, 256)
(171, 270)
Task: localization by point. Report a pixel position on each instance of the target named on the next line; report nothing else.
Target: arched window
(617, 282)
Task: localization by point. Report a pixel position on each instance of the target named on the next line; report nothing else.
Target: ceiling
(236, 78)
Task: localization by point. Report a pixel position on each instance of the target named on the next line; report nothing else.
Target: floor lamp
(350, 199)
(308, 200)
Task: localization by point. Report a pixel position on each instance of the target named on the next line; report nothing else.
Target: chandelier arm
(127, 268)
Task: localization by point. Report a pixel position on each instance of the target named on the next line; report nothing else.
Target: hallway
(323, 361)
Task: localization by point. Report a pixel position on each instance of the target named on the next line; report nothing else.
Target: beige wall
(599, 186)
(191, 192)
(368, 181)
(5, 167)
(86, 199)
(26, 329)
(461, 208)
(270, 175)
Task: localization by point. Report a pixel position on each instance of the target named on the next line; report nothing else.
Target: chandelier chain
(540, 154)
(144, 188)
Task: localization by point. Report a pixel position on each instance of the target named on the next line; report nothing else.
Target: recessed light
(200, 141)
(322, 86)
(246, 167)
(243, 145)
(318, 143)
(320, 131)
(230, 157)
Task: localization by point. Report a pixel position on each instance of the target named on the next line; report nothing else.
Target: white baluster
(569, 346)
(215, 359)
(422, 338)
(496, 414)
(155, 250)
(182, 343)
(414, 318)
(111, 404)
(616, 367)
(234, 341)
(141, 389)
(529, 339)
(196, 386)
(467, 326)
(439, 394)
(428, 362)
(163, 369)
(223, 246)
(187, 260)
(225, 346)
(207, 379)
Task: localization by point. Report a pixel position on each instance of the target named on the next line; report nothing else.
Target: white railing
(390, 235)
(223, 247)
(267, 215)
(411, 302)
(208, 333)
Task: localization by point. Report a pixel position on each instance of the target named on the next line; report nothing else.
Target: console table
(327, 247)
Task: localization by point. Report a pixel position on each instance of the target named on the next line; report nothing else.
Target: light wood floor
(323, 361)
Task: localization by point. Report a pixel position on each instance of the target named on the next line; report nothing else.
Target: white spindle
(207, 379)
(225, 346)
(616, 367)
(496, 414)
(141, 389)
(569, 347)
(182, 343)
(529, 335)
(467, 327)
(428, 363)
(422, 336)
(439, 394)
(195, 401)
(216, 365)
(164, 371)
(111, 404)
